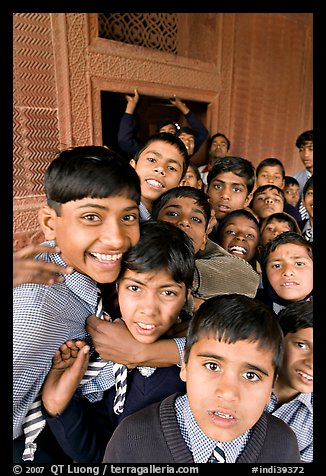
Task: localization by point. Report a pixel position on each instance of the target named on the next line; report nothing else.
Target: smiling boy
(160, 164)
(92, 215)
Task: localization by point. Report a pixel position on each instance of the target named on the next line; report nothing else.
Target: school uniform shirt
(298, 414)
(83, 428)
(44, 317)
(302, 176)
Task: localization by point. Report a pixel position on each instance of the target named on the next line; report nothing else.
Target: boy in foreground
(233, 354)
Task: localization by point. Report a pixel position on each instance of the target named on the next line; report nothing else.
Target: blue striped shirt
(44, 317)
(200, 445)
(298, 414)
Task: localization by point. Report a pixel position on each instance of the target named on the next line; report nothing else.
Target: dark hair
(288, 180)
(270, 162)
(218, 134)
(200, 197)
(237, 165)
(306, 136)
(89, 171)
(267, 186)
(297, 315)
(281, 217)
(307, 185)
(195, 170)
(169, 138)
(186, 130)
(162, 246)
(241, 212)
(233, 317)
(166, 123)
(283, 239)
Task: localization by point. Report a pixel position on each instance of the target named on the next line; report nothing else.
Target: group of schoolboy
(202, 330)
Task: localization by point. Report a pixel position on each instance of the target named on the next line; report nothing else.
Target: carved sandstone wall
(254, 71)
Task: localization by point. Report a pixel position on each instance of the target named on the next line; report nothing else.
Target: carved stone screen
(151, 30)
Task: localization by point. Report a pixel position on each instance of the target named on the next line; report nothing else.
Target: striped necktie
(34, 421)
(218, 455)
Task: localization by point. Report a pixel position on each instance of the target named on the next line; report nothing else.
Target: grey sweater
(152, 435)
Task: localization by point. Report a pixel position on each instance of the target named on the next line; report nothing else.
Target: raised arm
(200, 131)
(126, 134)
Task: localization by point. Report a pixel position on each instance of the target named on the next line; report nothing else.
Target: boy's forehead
(229, 177)
(164, 150)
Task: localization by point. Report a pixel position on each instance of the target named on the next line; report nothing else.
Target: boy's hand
(69, 364)
(132, 102)
(28, 270)
(113, 341)
(180, 105)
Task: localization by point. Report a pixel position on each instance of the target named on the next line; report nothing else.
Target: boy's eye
(130, 217)
(212, 366)
(172, 214)
(196, 219)
(91, 217)
(250, 236)
(251, 376)
(133, 288)
(302, 345)
(300, 263)
(169, 293)
(230, 232)
(170, 167)
(151, 159)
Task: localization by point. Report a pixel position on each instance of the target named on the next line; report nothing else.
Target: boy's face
(218, 149)
(267, 202)
(296, 374)
(306, 153)
(292, 194)
(270, 174)
(190, 179)
(240, 237)
(159, 168)
(227, 192)
(150, 303)
(228, 385)
(186, 214)
(289, 270)
(93, 233)
(273, 229)
(308, 202)
(189, 141)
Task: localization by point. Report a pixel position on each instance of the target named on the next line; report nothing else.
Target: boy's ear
(47, 219)
(132, 162)
(183, 370)
(248, 199)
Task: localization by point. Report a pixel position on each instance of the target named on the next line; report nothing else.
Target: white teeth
(238, 248)
(306, 376)
(145, 326)
(224, 415)
(292, 283)
(102, 257)
(155, 183)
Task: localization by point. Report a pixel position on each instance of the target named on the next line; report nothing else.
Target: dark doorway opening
(150, 111)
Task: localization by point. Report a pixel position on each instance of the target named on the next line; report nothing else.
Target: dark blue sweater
(84, 428)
